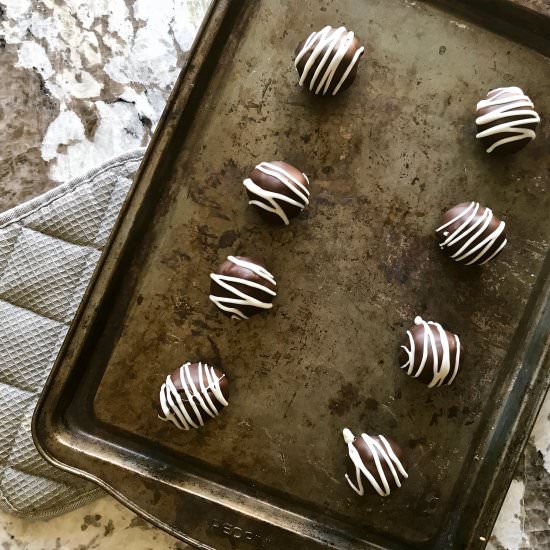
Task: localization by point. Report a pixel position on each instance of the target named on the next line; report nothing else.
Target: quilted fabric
(48, 250)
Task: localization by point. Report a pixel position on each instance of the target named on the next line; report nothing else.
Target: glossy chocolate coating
(332, 70)
(269, 180)
(231, 269)
(199, 395)
(502, 103)
(367, 447)
(418, 361)
(478, 236)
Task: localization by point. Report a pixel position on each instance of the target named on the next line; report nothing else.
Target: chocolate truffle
(471, 234)
(327, 61)
(506, 120)
(193, 394)
(242, 287)
(278, 190)
(378, 460)
(431, 354)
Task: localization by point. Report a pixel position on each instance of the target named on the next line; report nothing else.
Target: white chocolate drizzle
(442, 365)
(382, 453)
(507, 102)
(470, 233)
(270, 200)
(337, 42)
(186, 408)
(241, 298)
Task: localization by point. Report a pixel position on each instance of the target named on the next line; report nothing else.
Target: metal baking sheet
(385, 159)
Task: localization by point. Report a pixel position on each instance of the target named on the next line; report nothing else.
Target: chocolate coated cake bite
(431, 354)
(327, 60)
(277, 190)
(471, 234)
(193, 394)
(375, 464)
(506, 120)
(242, 287)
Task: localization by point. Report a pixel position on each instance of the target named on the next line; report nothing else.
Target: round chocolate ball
(193, 394)
(277, 190)
(431, 354)
(506, 120)
(327, 61)
(471, 234)
(242, 287)
(375, 464)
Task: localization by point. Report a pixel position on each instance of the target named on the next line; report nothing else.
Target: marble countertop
(541, 6)
(83, 80)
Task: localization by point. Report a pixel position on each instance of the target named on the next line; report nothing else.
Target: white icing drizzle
(509, 102)
(241, 298)
(441, 365)
(186, 410)
(381, 453)
(300, 191)
(474, 245)
(337, 42)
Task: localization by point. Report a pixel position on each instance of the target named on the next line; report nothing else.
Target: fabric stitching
(92, 241)
(71, 187)
(85, 259)
(128, 166)
(77, 278)
(9, 254)
(55, 350)
(52, 511)
(75, 296)
(11, 506)
(2, 297)
(59, 325)
(4, 463)
(107, 210)
(43, 476)
(62, 323)
(3, 496)
(46, 234)
(15, 386)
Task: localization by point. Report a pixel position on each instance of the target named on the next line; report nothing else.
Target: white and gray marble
(102, 525)
(83, 80)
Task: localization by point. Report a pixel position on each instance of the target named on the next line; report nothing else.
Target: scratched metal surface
(384, 159)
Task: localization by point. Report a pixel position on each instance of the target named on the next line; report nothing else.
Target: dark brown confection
(506, 120)
(385, 477)
(327, 60)
(417, 358)
(277, 190)
(242, 287)
(471, 234)
(193, 394)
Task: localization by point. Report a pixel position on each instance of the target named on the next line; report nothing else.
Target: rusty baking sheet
(385, 159)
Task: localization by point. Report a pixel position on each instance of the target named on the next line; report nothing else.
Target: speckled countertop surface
(83, 80)
(541, 6)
